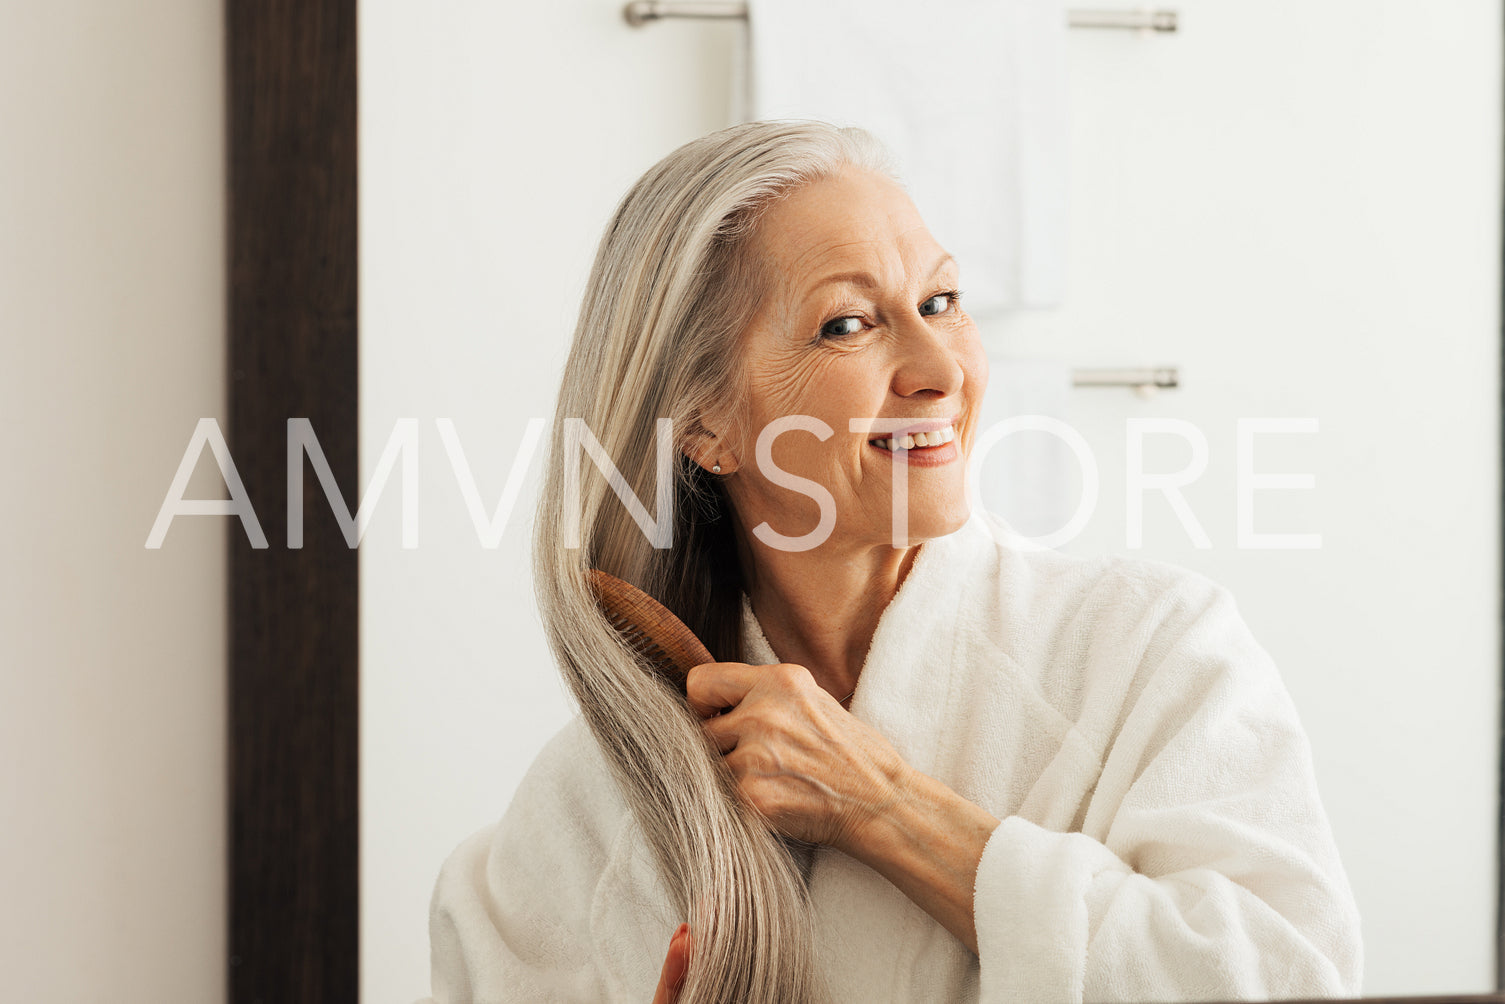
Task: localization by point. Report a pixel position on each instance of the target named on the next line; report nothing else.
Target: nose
(928, 364)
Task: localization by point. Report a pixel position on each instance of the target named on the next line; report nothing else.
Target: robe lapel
(903, 692)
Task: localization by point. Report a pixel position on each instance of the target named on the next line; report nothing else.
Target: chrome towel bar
(1145, 381)
(641, 12)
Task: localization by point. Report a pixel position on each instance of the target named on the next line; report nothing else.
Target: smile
(918, 440)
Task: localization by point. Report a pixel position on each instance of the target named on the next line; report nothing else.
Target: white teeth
(938, 437)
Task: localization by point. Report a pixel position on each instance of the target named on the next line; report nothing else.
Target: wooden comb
(649, 627)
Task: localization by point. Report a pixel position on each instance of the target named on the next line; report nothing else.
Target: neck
(819, 608)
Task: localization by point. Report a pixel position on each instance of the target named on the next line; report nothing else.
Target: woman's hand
(820, 775)
(814, 771)
(676, 964)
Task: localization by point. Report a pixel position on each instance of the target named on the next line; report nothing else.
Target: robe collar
(905, 681)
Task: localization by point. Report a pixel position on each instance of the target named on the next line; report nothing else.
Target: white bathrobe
(1162, 835)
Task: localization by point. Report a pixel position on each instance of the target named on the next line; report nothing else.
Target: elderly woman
(927, 765)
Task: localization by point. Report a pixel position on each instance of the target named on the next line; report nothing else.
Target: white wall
(1298, 203)
(112, 673)
(495, 140)
(1295, 202)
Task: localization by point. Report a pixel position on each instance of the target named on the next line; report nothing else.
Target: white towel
(1031, 479)
(970, 96)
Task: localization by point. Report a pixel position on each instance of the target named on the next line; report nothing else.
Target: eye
(841, 327)
(946, 301)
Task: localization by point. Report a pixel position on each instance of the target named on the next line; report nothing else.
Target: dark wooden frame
(292, 319)
(293, 714)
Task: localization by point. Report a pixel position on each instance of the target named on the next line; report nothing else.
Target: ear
(707, 448)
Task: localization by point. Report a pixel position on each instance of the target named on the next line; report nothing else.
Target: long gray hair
(671, 291)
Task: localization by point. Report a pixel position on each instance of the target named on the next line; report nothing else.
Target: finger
(676, 964)
(716, 685)
(723, 731)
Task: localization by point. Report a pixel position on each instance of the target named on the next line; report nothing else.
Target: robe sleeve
(513, 915)
(1210, 873)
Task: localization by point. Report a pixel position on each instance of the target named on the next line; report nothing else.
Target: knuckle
(792, 675)
(760, 793)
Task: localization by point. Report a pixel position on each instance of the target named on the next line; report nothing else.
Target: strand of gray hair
(670, 292)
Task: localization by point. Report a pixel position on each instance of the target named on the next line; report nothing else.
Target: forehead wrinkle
(876, 264)
(823, 250)
(907, 245)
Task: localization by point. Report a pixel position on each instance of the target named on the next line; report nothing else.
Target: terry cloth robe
(1162, 836)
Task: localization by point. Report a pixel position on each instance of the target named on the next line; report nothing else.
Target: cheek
(978, 371)
(973, 359)
(780, 388)
(831, 388)
(971, 354)
(818, 385)
(783, 389)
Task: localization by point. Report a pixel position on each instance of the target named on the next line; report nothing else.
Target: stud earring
(716, 469)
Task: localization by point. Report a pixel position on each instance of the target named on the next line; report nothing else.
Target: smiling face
(860, 320)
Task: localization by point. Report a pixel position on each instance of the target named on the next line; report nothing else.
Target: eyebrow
(866, 280)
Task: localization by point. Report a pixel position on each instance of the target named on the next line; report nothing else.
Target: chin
(937, 522)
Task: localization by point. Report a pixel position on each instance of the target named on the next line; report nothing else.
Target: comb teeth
(642, 643)
(648, 627)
